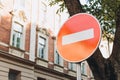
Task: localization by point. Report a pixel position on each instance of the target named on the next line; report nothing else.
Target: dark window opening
(14, 75)
(41, 78)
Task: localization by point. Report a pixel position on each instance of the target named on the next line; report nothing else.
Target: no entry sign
(79, 37)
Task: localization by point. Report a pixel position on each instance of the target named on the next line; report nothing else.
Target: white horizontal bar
(78, 36)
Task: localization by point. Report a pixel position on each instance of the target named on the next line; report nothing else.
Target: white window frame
(56, 57)
(45, 57)
(17, 34)
(22, 45)
(83, 68)
(72, 66)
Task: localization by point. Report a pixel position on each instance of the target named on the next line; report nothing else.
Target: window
(14, 75)
(83, 68)
(17, 35)
(41, 78)
(72, 66)
(41, 47)
(57, 59)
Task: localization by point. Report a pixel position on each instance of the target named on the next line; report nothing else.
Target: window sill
(58, 68)
(58, 65)
(41, 62)
(71, 70)
(41, 59)
(83, 74)
(17, 51)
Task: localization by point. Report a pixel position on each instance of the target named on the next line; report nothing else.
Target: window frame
(17, 35)
(83, 68)
(72, 66)
(22, 45)
(57, 58)
(41, 46)
(45, 57)
(14, 75)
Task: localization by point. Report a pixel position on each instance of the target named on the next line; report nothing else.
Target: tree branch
(73, 6)
(116, 46)
(96, 62)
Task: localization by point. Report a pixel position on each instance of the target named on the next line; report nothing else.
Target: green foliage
(103, 10)
(58, 2)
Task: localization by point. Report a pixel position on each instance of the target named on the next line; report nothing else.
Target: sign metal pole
(78, 71)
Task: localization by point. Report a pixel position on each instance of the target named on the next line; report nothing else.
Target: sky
(83, 1)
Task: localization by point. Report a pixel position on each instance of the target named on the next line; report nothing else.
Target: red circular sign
(79, 37)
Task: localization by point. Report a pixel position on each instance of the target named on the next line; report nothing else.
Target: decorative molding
(46, 47)
(72, 73)
(58, 68)
(16, 52)
(19, 14)
(42, 62)
(43, 30)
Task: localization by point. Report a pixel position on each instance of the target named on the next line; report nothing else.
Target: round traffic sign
(79, 37)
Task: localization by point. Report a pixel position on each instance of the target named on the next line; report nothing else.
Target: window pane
(41, 78)
(42, 40)
(41, 47)
(18, 42)
(83, 68)
(72, 66)
(41, 51)
(17, 27)
(17, 35)
(13, 40)
(13, 75)
(57, 58)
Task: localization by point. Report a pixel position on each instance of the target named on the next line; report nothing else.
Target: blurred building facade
(27, 43)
